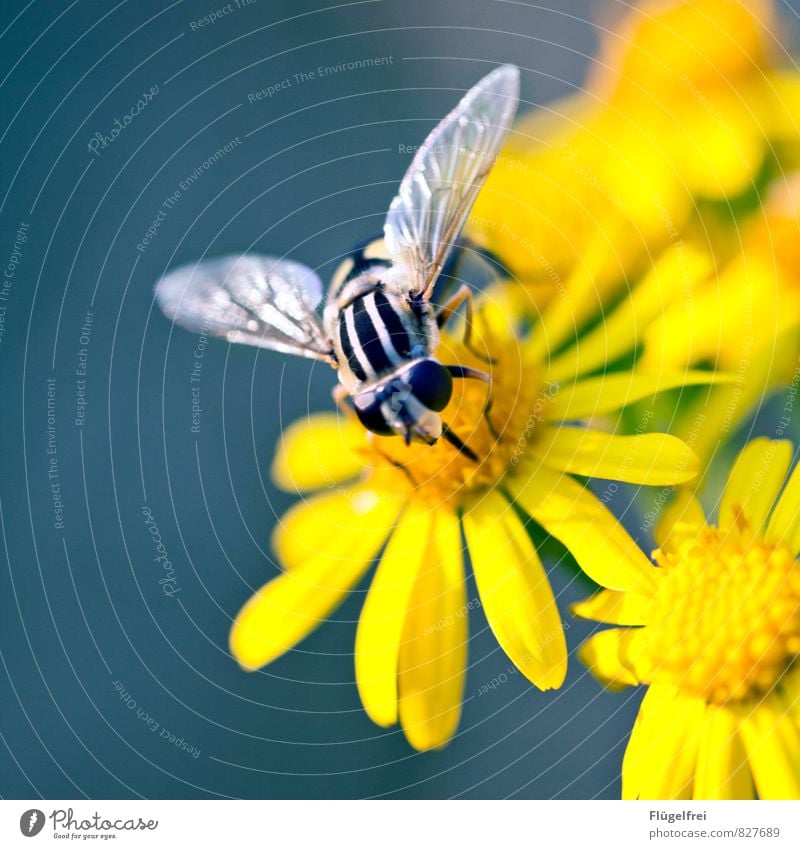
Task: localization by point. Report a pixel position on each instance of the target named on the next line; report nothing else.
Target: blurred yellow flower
(748, 301)
(685, 104)
(738, 312)
(743, 317)
(716, 637)
(407, 506)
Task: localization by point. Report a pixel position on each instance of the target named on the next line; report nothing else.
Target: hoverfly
(378, 328)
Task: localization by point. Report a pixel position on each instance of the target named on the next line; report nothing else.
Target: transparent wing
(253, 299)
(440, 187)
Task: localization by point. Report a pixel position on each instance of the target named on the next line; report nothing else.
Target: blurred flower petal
(661, 757)
(755, 480)
(722, 768)
(772, 739)
(316, 452)
(784, 524)
(614, 607)
(607, 393)
(684, 515)
(607, 656)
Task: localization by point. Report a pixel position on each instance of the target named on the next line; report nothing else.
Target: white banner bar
(401, 824)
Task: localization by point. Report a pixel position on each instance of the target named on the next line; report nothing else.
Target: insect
(379, 327)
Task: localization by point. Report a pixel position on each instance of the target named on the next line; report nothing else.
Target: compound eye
(431, 384)
(368, 410)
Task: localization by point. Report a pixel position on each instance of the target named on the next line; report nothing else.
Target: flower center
(725, 622)
(495, 424)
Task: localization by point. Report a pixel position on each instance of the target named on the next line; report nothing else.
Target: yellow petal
(380, 625)
(675, 271)
(772, 739)
(716, 321)
(615, 608)
(722, 768)
(683, 515)
(597, 396)
(722, 151)
(433, 652)
(290, 606)
(776, 102)
(705, 421)
(660, 45)
(572, 514)
(338, 525)
(790, 685)
(672, 273)
(531, 190)
(316, 452)
(754, 482)
(563, 316)
(515, 592)
(784, 524)
(607, 656)
(661, 757)
(650, 458)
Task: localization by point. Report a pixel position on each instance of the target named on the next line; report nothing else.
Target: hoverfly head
(409, 404)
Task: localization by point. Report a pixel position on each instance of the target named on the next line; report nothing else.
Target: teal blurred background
(109, 687)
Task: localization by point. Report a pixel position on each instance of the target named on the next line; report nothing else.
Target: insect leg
(404, 469)
(457, 443)
(444, 312)
(466, 373)
(340, 396)
(463, 295)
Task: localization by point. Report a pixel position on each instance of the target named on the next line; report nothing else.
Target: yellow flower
(686, 104)
(738, 312)
(375, 497)
(749, 300)
(742, 316)
(716, 637)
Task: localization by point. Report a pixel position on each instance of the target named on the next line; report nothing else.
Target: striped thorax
(383, 341)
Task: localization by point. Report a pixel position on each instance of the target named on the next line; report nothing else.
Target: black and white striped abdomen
(376, 335)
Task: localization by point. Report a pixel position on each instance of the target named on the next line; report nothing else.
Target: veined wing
(253, 299)
(440, 187)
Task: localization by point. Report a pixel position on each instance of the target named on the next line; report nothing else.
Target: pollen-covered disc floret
(725, 622)
(495, 429)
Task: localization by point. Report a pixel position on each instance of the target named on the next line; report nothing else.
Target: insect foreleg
(373, 442)
(340, 397)
(467, 373)
(463, 295)
(457, 443)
